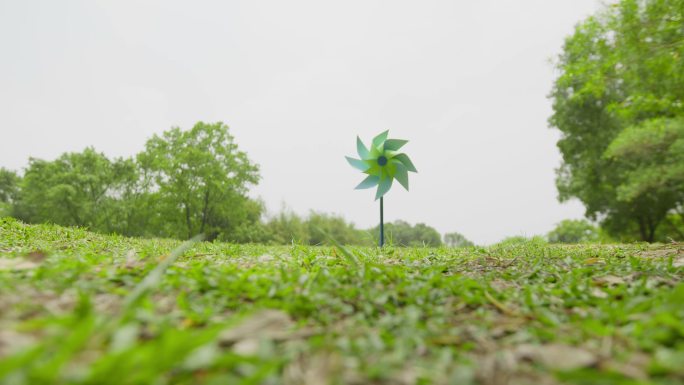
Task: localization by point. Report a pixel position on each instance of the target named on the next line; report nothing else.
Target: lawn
(83, 308)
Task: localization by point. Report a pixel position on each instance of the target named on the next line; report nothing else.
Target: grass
(83, 308)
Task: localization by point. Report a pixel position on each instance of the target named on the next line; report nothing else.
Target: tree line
(183, 183)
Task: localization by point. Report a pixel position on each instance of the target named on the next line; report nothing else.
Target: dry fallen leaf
(16, 264)
(593, 261)
(557, 356)
(36, 256)
(265, 323)
(496, 368)
(609, 280)
(11, 341)
(319, 369)
(272, 325)
(628, 370)
(679, 262)
(598, 293)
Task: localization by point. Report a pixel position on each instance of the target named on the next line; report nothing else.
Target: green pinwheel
(383, 163)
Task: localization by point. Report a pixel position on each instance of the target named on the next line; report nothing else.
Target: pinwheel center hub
(382, 161)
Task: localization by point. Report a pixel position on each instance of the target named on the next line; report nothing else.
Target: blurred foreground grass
(83, 308)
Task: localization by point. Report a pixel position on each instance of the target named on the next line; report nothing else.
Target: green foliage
(672, 228)
(321, 226)
(287, 227)
(184, 183)
(76, 189)
(200, 180)
(455, 239)
(96, 309)
(400, 233)
(652, 154)
(621, 80)
(573, 231)
(9, 191)
(521, 241)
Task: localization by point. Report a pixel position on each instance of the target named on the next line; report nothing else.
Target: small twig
(499, 305)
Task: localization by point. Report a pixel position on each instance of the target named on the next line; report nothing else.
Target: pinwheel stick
(382, 225)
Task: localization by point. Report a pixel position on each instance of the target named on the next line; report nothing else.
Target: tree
(133, 212)
(456, 240)
(76, 189)
(620, 70)
(9, 191)
(200, 181)
(573, 231)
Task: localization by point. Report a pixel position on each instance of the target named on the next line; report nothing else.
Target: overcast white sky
(465, 81)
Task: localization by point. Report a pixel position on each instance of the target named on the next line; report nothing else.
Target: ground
(83, 308)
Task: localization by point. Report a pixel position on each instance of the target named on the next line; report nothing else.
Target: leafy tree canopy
(621, 80)
(76, 189)
(201, 179)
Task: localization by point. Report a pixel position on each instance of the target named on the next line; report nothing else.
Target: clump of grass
(82, 308)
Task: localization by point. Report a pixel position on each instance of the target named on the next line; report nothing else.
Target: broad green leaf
(362, 150)
(370, 181)
(404, 159)
(378, 140)
(357, 163)
(394, 144)
(383, 187)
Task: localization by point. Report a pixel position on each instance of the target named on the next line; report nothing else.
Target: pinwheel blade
(383, 187)
(357, 163)
(394, 144)
(391, 168)
(401, 174)
(370, 181)
(362, 150)
(377, 141)
(404, 159)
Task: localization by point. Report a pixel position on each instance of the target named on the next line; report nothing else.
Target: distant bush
(287, 227)
(520, 240)
(573, 231)
(455, 239)
(401, 233)
(320, 226)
